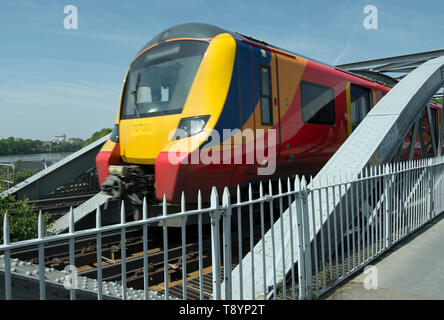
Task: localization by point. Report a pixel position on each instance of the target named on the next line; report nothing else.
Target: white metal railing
(383, 206)
(9, 179)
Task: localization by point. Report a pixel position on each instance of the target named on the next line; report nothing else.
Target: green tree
(97, 135)
(23, 222)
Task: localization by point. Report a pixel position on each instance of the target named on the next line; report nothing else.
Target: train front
(172, 97)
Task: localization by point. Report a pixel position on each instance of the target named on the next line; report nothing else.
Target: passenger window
(266, 106)
(359, 105)
(317, 103)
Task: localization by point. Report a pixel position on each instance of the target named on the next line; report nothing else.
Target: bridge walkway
(411, 270)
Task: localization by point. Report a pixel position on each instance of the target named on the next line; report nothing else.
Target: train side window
(317, 103)
(266, 106)
(360, 104)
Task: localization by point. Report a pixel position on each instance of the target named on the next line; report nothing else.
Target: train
(202, 106)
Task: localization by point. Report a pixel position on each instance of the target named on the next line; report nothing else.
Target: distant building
(58, 139)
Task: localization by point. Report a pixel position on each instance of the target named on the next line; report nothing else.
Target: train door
(267, 109)
(359, 104)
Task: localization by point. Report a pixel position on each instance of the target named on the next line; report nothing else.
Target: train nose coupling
(113, 186)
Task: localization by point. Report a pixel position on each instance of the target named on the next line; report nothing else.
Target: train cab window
(359, 105)
(160, 79)
(317, 103)
(266, 106)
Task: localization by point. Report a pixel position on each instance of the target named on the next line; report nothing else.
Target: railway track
(58, 206)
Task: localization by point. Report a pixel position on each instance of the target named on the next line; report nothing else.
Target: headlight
(190, 126)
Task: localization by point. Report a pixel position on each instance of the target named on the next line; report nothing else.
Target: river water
(53, 157)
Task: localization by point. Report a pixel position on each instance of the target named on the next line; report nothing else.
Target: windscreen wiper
(136, 108)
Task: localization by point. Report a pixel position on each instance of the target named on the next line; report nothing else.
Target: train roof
(208, 31)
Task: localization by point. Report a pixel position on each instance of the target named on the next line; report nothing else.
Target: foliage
(437, 100)
(23, 222)
(23, 175)
(19, 175)
(15, 146)
(97, 135)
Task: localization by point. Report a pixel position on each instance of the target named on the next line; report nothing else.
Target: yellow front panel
(141, 140)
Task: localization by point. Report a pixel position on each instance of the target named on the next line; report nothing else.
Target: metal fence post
(306, 239)
(430, 191)
(215, 243)
(72, 278)
(6, 238)
(227, 242)
(388, 209)
(301, 258)
(41, 249)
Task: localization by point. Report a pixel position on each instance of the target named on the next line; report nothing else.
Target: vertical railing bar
(341, 221)
(358, 218)
(395, 211)
(424, 202)
(335, 228)
(352, 210)
(401, 198)
(382, 207)
(372, 208)
(6, 241)
(264, 269)
(367, 213)
(427, 204)
(239, 239)
(99, 253)
(270, 191)
(412, 214)
(184, 247)
(379, 199)
(227, 242)
(250, 212)
(419, 194)
(72, 290)
(388, 210)
(362, 212)
(123, 249)
(301, 254)
(307, 244)
(430, 171)
(327, 203)
(165, 248)
(409, 211)
(41, 257)
(215, 236)
(315, 245)
(145, 251)
(424, 195)
(284, 284)
(347, 219)
(290, 212)
(414, 203)
(199, 223)
(324, 282)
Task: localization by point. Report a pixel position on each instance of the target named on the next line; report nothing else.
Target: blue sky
(55, 81)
